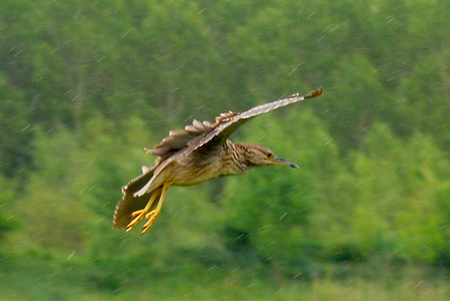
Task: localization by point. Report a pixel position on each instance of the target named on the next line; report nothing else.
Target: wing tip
(315, 93)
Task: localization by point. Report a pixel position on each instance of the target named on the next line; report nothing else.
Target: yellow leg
(152, 215)
(138, 215)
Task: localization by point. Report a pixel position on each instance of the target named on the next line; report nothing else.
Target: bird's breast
(188, 173)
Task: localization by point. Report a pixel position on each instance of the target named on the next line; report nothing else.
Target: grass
(241, 287)
(48, 279)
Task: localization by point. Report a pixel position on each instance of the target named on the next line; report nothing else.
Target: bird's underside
(198, 153)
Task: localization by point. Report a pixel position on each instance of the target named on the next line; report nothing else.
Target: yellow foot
(138, 215)
(151, 216)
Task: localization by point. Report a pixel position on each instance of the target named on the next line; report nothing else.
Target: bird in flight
(200, 152)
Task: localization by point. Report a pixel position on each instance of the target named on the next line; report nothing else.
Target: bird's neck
(240, 157)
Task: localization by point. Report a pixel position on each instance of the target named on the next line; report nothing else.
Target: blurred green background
(86, 85)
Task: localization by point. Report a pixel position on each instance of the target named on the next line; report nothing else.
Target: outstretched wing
(227, 123)
(200, 133)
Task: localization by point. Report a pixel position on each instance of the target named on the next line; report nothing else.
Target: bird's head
(258, 155)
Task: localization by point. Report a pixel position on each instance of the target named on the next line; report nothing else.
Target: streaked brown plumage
(198, 153)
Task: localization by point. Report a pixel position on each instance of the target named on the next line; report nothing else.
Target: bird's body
(200, 167)
(200, 152)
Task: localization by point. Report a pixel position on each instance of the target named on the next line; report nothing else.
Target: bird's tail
(130, 203)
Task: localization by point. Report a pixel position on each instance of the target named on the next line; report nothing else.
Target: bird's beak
(284, 162)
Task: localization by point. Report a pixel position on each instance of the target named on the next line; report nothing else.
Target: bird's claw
(151, 216)
(138, 215)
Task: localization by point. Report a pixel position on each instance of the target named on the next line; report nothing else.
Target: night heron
(198, 153)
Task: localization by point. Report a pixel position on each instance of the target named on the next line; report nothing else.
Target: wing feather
(130, 202)
(200, 133)
(227, 123)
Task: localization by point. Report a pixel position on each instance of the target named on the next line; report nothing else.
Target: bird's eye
(269, 155)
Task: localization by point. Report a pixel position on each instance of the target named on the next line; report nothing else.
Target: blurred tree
(424, 98)
(15, 132)
(276, 42)
(53, 211)
(8, 219)
(389, 204)
(272, 208)
(173, 51)
(356, 98)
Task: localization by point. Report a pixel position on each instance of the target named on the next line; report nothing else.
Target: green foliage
(274, 207)
(53, 212)
(357, 98)
(424, 98)
(391, 204)
(8, 219)
(15, 135)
